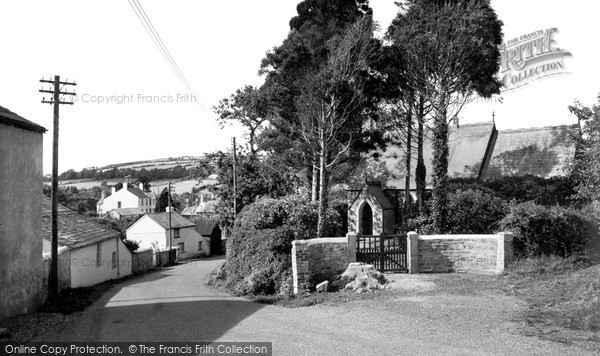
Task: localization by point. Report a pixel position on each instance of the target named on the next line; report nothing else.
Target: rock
(322, 287)
(360, 277)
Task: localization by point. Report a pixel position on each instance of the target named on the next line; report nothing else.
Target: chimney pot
(113, 190)
(124, 185)
(141, 186)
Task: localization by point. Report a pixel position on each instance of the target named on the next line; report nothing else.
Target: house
(95, 253)
(211, 232)
(152, 231)
(21, 264)
(126, 213)
(127, 197)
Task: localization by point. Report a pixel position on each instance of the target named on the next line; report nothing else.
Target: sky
(218, 45)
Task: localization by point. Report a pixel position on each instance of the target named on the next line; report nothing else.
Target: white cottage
(152, 231)
(96, 253)
(127, 197)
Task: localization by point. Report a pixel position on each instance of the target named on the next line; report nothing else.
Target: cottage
(126, 213)
(21, 265)
(211, 232)
(127, 197)
(95, 253)
(152, 231)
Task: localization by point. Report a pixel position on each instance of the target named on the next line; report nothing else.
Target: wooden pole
(54, 247)
(234, 180)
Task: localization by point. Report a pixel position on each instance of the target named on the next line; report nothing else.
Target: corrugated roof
(205, 227)
(74, 230)
(177, 221)
(8, 117)
(189, 211)
(538, 151)
(128, 211)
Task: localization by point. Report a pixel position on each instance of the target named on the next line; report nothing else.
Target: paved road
(174, 305)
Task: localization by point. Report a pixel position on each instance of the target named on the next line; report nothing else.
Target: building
(127, 197)
(211, 232)
(21, 264)
(126, 213)
(96, 253)
(152, 231)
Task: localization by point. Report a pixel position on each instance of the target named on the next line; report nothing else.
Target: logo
(530, 57)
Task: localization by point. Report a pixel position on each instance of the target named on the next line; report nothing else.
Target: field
(157, 186)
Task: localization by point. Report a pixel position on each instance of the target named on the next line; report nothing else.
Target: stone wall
(64, 271)
(165, 257)
(459, 253)
(142, 261)
(316, 260)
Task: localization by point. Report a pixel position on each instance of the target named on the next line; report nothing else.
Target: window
(114, 259)
(98, 255)
(181, 247)
(176, 233)
(199, 245)
(119, 205)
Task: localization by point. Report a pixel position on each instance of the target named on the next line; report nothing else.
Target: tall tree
(249, 107)
(451, 50)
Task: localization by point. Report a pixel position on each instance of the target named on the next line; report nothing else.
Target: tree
(451, 50)
(162, 203)
(248, 106)
(586, 166)
(145, 183)
(288, 67)
(331, 103)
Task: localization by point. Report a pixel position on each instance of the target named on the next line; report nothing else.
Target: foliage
(541, 230)
(256, 178)
(82, 201)
(586, 168)
(470, 211)
(259, 249)
(450, 50)
(121, 227)
(162, 203)
(153, 174)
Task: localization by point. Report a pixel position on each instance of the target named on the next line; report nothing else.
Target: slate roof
(542, 152)
(138, 192)
(74, 230)
(8, 117)
(177, 221)
(205, 227)
(128, 211)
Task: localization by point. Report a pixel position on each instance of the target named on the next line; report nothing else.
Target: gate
(387, 253)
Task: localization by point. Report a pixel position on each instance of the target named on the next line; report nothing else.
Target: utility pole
(170, 237)
(234, 179)
(56, 101)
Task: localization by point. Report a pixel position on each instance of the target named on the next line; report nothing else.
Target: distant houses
(127, 197)
(152, 231)
(92, 253)
(21, 265)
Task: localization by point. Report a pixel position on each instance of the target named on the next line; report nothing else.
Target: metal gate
(387, 253)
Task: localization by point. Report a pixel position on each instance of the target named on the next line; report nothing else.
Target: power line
(153, 33)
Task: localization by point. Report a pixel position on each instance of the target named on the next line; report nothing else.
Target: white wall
(191, 239)
(127, 199)
(87, 270)
(147, 232)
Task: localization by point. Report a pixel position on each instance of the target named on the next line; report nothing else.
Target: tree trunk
(440, 170)
(323, 203)
(315, 180)
(408, 158)
(421, 171)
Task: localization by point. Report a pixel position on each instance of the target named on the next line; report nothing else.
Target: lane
(173, 304)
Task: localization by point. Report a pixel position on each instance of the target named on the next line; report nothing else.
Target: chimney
(113, 190)
(141, 186)
(103, 195)
(201, 198)
(125, 185)
(167, 209)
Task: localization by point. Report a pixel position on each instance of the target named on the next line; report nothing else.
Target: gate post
(382, 253)
(351, 236)
(412, 252)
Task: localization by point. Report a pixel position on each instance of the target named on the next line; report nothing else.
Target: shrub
(259, 256)
(470, 211)
(541, 230)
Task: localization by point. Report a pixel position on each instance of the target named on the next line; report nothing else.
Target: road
(173, 304)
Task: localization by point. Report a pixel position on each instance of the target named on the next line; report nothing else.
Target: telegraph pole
(234, 179)
(170, 237)
(56, 101)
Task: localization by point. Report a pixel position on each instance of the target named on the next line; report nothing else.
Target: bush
(259, 258)
(541, 230)
(470, 211)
